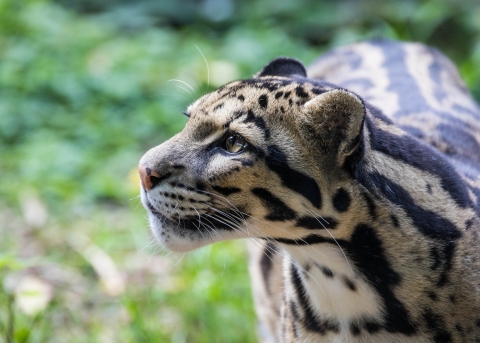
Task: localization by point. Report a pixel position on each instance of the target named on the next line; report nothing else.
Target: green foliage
(86, 87)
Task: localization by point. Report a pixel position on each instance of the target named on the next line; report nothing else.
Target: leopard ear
(334, 120)
(283, 66)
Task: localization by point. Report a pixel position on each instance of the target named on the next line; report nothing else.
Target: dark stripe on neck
(367, 253)
(298, 182)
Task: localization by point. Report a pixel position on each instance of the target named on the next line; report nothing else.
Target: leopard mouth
(189, 232)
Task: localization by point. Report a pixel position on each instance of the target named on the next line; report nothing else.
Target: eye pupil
(235, 144)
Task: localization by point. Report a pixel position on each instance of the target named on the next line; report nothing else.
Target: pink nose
(148, 177)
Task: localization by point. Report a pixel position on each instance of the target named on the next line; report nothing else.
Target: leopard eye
(235, 144)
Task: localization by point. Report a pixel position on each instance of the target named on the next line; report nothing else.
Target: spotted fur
(358, 185)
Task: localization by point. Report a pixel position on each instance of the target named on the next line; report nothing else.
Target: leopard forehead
(278, 98)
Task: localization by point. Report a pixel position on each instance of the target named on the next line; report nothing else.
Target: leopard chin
(182, 234)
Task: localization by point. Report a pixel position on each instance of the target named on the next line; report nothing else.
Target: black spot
(341, 200)
(477, 323)
(436, 326)
(266, 263)
(429, 188)
(306, 270)
(178, 167)
(432, 295)
(301, 92)
(278, 95)
(468, 224)
(226, 190)
(271, 85)
(287, 94)
(371, 326)
(326, 271)
(200, 188)
(354, 329)
(295, 180)
(181, 197)
(282, 109)
(290, 102)
(241, 98)
(310, 319)
(458, 327)
(219, 106)
(316, 223)
(277, 209)
(394, 220)
(263, 101)
(349, 283)
(451, 297)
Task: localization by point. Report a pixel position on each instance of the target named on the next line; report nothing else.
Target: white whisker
(208, 69)
(186, 84)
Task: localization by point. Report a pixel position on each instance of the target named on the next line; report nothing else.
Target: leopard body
(359, 186)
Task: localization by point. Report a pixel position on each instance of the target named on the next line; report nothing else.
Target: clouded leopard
(358, 181)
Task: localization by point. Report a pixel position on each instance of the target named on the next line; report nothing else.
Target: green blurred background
(85, 91)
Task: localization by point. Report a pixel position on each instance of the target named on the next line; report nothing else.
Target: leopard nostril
(149, 177)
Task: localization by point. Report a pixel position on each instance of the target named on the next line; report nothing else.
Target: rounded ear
(334, 120)
(283, 66)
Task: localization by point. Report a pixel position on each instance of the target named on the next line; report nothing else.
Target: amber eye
(235, 144)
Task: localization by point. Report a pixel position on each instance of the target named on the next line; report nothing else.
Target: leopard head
(257, 158)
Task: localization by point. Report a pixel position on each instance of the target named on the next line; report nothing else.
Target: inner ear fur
(334, 120)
